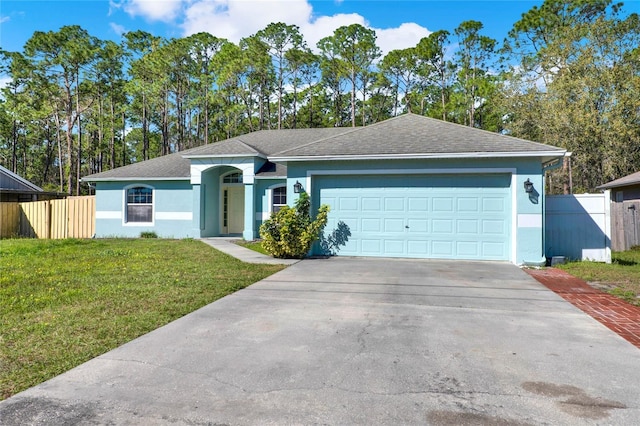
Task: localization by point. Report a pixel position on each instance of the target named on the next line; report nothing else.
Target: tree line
(568, 74)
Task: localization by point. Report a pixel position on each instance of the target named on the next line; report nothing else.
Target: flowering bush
(290, 232)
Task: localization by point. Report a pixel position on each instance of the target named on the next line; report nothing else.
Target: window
(232, 178)
(619, 196)
(278, 198)
(139, 204)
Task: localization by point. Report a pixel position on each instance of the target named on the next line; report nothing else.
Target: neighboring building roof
(11, 181)
(405, 136)
(632, 179)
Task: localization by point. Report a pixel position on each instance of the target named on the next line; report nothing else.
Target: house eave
(546, 155)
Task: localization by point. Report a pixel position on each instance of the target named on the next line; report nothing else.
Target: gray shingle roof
(632, 179)
(402, 136)
(172, 166)
(412, 134)
(267, 142)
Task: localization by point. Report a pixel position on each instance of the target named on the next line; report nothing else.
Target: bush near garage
(290, 232)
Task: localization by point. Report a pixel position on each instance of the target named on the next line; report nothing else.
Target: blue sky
(398, 24)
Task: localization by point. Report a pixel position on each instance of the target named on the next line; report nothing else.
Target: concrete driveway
(360, 341)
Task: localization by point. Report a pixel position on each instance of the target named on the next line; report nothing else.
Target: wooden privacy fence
(72, 217)
(625, 224)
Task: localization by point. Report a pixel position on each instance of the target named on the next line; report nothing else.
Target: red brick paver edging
(616, 314)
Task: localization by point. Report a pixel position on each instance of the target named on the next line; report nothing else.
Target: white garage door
(421, 216)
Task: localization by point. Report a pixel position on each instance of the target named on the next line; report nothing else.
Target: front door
(233, 209)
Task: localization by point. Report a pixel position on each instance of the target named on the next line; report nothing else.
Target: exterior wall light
(297, 187)
(528, 186)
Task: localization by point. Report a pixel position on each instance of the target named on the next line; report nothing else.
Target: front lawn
(621, 278)
(253, 245)
(63, 302)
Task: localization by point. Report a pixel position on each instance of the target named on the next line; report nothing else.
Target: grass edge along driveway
(64, 302)
(620, 278)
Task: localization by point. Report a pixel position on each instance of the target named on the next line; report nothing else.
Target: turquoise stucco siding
(494, 186)
(262, 202)
(172, 209)
(525, 233)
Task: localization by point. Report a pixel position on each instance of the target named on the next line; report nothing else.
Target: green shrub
(290, 232)
(148, 234)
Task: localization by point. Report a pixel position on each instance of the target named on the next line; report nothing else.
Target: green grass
(621, 278)
(253, 245)
(63, 302)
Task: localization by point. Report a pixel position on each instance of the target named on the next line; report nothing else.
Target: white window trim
(125, 221)
(233, 172)
(269, 192)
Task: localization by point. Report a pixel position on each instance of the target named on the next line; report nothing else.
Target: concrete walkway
(228, 246)
(359, 341)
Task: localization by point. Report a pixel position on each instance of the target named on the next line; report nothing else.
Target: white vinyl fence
(578, 226)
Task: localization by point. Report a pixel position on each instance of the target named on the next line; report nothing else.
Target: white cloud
(235, 19)
(324, 26)
(402, 37)
(153, 10)
(117, 28)
(4, 19)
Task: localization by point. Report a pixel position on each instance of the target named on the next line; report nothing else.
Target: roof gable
(10, 180)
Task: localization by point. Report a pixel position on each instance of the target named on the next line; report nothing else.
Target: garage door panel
(393, 225)
(417, 225)
(496, 227)
(418, 204)
(348, 204)
(371, 204)
(468, 248)
(371, 225)
(371, 246)
(442, 226)
(467, 226)
(394, 247)
(442, 204)
(394, 204)
(419, 248)
(467, 204)
(493, 249)
(421, 216)
(442, 248)
(493, 204)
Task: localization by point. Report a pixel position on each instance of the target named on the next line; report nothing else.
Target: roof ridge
(251, 147)
(347, 131)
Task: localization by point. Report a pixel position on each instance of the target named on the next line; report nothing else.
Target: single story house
(16, 189)
(409, 186)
